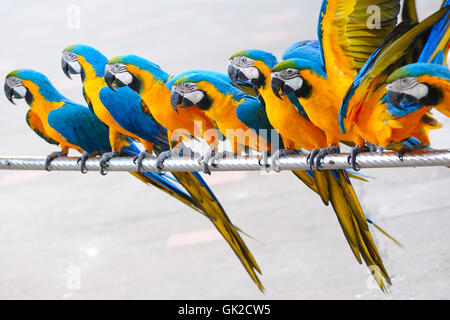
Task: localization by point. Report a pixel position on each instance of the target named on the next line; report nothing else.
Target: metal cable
(295, 162)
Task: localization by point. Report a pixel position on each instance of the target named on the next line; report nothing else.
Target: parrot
(127, 115)
(232, 109)
(419, 85)
(345, 42)
(366, 107)
(149, 81)
(298, 132)
(62, 122)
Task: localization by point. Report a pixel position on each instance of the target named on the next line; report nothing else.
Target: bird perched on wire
(345, 43)
(299, 133)
(127, 115)
(149, 81)
(230, 109)
(366, 107)
(60, 121)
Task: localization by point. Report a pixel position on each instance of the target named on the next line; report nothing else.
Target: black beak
(277, 85)
(233, 74)
(395, 98)
(110, 79)
(9, 92)
(175, 100)
(65, 68)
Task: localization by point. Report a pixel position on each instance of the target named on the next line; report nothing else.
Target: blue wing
(80, 127)
(127, 108)
(253, 114)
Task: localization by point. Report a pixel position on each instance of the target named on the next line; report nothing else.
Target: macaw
(126, 115)
(298, 132)
(419, 85)
(236, 113)
(346, 41)
(149, 81)
(366, 108)
(60, 121)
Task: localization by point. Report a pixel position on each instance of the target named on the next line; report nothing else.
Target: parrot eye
(70, 56)
(289, 73)
(187, 87)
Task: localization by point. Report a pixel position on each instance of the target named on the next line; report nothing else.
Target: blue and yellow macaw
(366, 108)
(149, 81)
(236, 114)
(126, 115)
(60, 121)
(419, 85)
(299, 133)
(345, 43)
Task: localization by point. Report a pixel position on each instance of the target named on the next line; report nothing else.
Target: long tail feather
(201, 199)
(205, 199)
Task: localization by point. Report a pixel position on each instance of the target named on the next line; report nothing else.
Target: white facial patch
(124, 77)
(409, 86)
(419, 91)
(21, 91)
(75, 66)
(194, 96)
(250, 73)
(295, 83)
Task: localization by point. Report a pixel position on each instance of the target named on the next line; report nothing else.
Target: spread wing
(350, 31)
(400, 48)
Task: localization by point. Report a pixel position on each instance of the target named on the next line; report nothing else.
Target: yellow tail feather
(218, 217)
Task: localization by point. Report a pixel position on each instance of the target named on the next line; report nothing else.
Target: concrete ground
(65, 235)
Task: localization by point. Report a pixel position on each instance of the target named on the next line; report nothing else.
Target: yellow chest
(157, 98)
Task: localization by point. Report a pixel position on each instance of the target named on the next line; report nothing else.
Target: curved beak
(175, 100)
(233, 74)
(65, 68)
(110, 79)
(395, 98)
(9, 93)
(277, 85)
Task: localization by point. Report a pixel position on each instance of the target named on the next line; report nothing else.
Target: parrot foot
(221, 155)
(276, 156)
(317, 155)
(311, 156)
(52, 156)
(405, 149)
(104, 161)
(263, 160)
(138, 160)
(204, 160)
(351, 159)
(375, 148)
(81, 161)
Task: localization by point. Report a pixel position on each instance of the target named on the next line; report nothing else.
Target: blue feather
(125, 106)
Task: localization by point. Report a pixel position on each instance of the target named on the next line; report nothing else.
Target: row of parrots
(368, 88)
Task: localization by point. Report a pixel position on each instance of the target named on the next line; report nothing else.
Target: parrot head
(405, 85)
(19, 84)
(248, 66)
(84, 60)
(187, 88)
(185, 93)
(287, 77)
(132, 71)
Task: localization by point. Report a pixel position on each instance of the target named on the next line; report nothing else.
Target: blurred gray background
(65, 235)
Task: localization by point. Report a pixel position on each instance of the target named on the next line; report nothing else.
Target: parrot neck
(266, 72)
(89, 73)
(40, 104)
(442, 85)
